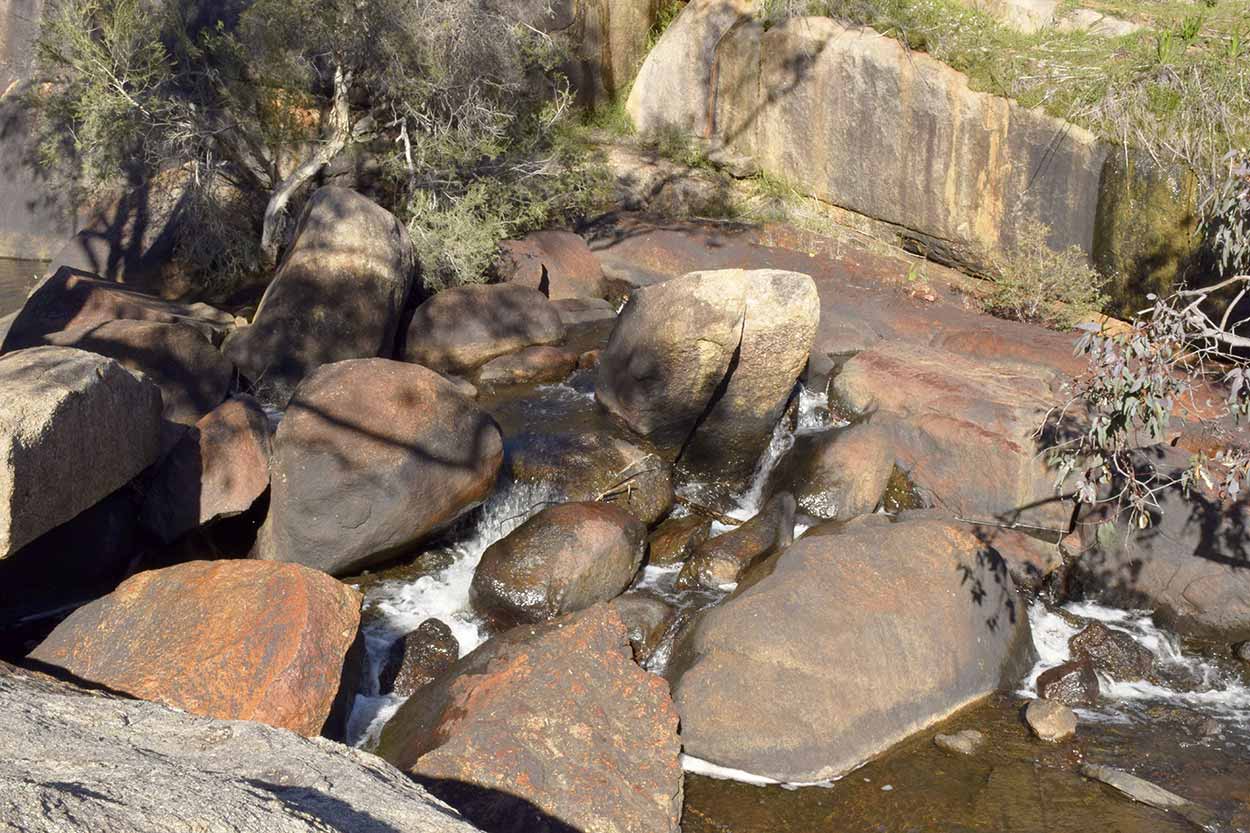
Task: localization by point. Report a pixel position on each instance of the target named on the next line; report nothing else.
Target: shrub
(1032, 282)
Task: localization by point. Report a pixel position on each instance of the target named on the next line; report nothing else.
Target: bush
(1032, 282)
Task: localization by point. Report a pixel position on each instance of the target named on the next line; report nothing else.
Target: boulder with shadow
(558, 264)
(861, 635)
(462, 328)
(836, 474)
(719, 562)
(547, 728)
(372, 457)
(243, 640)
(532, 365)
(676, 539)
(338, 294)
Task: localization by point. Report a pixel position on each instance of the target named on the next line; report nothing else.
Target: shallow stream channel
(1187, 730)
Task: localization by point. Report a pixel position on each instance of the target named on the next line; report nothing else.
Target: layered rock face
(873, 633)
(515, 734)
(337, 295)
(234, 639)
(80, 762)
(373, 456)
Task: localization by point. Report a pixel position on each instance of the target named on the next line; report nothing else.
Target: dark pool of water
(16, 279)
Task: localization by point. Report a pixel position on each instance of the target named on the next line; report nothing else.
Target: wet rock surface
(1113, 652)
(719, 562)
(244, 640)
(1072, 683)
(417, 658)
(547, 728)
(838, 473)
(965, 742)
(647, 619)
(1050, 720)
(676, 539)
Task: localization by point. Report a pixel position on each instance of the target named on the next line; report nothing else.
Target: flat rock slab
(70, 417)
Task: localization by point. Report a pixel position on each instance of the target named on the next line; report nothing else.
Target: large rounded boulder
(337, 295)
(548, 727)
(371, 457)
(860, 636)
(243, 640)
(704, 364)
(459, 329)
(565, 558)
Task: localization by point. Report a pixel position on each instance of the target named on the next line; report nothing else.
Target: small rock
(966, 742)
(1073, 684)
(418, 657)
(1135, 788)
(1114, 652)
(675, 540)
(589, 360)
(1050, 721)
(721, 561)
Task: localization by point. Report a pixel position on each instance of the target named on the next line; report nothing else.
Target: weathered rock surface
(241, 640)
(529, 366)
(216, 470)
(676, 539)
(81, 762)
(578, 311)
(565, 558)
(1191, 566)
(811, 653)
(963, 429)
(372, 456)
(704, 364)
(193, 375)
(718, 563)
(558, 264)
(1050, 721)
(584, 466)
(70, 417)
(71, 299)
(337, 295)
(838, 473)
(547, 728)
(417, 658)
(1114, 652)
(1071, 683)
(461, 328)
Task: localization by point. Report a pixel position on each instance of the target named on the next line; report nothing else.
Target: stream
(17, 278)
(1188, 729)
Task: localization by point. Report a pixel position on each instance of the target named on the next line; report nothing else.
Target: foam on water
(698, 766)
(444, 595)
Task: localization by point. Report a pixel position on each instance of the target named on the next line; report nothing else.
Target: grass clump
(1033, 282)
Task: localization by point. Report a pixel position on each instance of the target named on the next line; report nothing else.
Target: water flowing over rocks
(703, 365)
(245, 640)
(824, 686)
(466, 326)
(69, 417)
(566, 558)
(373, 456)
(719, 562)
(82, 762)
(338, 294)
(218, 469)
(1113, 652)
(547, 728)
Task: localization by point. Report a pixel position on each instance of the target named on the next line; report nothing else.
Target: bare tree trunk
(339, 134)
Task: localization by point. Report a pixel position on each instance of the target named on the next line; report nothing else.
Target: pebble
(966, 742)
(1050, 721)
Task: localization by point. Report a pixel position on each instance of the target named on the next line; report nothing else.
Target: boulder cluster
(188, 498)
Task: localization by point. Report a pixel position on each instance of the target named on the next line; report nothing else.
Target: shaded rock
(1191, 566)
(704, 365)
(70, 417)
(461, 328)
(589, 360)
(811, 650)
(966, 742)
(547, 728)
(1243, 652)
(466, 388)
(587, 466)
(558, 264)
(193, 375)
(676, 539)
(70, 299)
(372, 457)
(963, 429)
(565, 558)
(337, 295)
(1113, 652)
(418, 657)
(531, 365)
(82, 762)
(1031, 561)
(216, 470)
(718, 563)
(1050, 721)
(575, 311)
(647, 620)
(211, 638)
(837, 473)
(1072, 683)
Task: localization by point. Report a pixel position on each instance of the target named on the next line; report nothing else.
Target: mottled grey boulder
(76, 761)
(75, 426)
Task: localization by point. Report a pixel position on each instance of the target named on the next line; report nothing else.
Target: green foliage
(664, 17)
(1032, 282)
